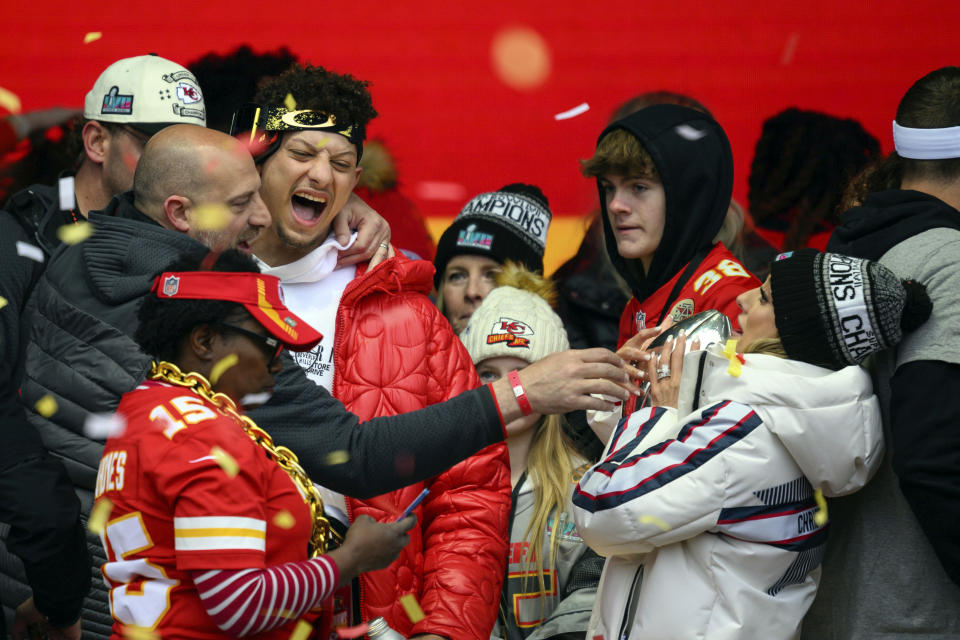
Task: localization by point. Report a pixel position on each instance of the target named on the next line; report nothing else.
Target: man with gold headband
(892, 568)
(386, 350)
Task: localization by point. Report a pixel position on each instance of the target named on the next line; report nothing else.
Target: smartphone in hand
(413, 505)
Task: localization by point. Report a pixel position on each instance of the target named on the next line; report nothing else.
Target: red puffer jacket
(394, 352)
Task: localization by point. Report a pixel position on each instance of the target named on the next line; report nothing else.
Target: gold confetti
(337, 457)
(211, 217)
(322, 143)
(302, 631)
(284, 519)
(99, 516)
(654, 520)
(290, 103)
(9, 100)
(138, 633)
(221, 367)
(46, 406)
(820, 517)
(75, 233)
(226, 462)
(91, 36)
(730, 351)
(3, 302)
(735, 368)
(412, 607)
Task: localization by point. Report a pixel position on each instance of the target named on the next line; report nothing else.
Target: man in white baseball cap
(130, 101)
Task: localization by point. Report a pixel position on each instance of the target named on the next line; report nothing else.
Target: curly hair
(801, 166)
(165, 323)
(341, 95)
(231, 79)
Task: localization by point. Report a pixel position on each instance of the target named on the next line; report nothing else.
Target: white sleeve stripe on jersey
(222, 585)
(242, 606)
(238, 591)
(220, 532)
(220, 543)
(273, 601)
(296, 582)
(258, 608)
(219, 522)
(206, 576)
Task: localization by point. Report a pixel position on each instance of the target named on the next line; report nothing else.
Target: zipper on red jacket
(337, 360)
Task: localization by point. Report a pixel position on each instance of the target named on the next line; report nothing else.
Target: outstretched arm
(362, 463)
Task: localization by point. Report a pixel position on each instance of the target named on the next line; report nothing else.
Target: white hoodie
(706, 513)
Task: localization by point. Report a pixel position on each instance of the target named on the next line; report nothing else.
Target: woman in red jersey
(214, 531)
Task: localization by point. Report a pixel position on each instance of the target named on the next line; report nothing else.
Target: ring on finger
(663, 372)
(384, 245)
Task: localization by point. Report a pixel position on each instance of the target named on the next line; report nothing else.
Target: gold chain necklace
(322, 534)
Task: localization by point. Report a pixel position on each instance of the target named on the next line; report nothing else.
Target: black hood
(886, 219)
(692, 155)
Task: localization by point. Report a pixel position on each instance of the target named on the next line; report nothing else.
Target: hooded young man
(665, 177)
(385, 350)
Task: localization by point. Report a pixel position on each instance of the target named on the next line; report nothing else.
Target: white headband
(926, 144)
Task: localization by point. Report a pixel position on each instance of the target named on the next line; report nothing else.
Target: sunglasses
(271, 346)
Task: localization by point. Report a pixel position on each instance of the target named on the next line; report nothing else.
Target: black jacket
(81, 352)
(925, 414)
(42, 513)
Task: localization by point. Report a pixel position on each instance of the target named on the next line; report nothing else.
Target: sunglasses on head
(271, 346)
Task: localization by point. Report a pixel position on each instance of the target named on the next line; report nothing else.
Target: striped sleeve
(648, 492)
(248, 601)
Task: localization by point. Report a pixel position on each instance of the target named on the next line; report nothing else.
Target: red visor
(258, 293)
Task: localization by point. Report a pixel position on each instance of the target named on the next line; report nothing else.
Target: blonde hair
(767, 346)
(550, 466)
(550, 459)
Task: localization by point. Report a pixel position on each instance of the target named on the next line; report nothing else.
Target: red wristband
(514, 378)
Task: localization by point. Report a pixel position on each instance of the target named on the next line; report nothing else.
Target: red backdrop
(445, 110)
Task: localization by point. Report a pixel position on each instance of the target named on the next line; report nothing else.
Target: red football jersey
(180, 505)
(715, 284)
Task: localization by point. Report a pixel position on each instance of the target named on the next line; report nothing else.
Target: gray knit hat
(834, 310)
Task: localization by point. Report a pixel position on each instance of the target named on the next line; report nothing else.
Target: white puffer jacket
(706, 513)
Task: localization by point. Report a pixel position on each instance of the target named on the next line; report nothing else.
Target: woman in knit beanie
(710, 505)
(508, 224)
(551, 575)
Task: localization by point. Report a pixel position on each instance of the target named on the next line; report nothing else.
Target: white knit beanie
(514, 322)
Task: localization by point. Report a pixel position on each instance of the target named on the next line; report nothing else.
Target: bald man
(203, 183)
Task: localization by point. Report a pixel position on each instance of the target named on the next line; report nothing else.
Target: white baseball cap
(148, 93)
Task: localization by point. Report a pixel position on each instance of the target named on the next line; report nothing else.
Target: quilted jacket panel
(395, 353)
